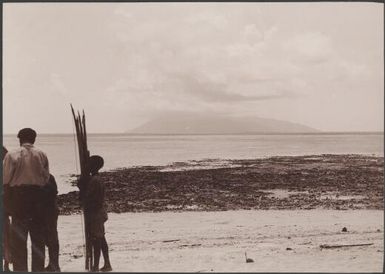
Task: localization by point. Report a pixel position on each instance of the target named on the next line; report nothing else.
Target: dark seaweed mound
(320, 181)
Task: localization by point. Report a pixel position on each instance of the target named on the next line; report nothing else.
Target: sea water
(124, 150)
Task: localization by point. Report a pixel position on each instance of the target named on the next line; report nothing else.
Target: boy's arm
(52, 186)
(45, 165)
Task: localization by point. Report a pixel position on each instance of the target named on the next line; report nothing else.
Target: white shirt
(26, 165)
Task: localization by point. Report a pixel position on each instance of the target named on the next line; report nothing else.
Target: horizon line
(320, 132)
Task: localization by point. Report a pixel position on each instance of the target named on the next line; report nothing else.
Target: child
(50, 218)
(94, 205)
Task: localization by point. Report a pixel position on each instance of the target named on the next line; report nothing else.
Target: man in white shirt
(25, 173)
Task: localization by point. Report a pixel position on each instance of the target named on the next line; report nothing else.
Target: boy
(50, 219)
(94, 205)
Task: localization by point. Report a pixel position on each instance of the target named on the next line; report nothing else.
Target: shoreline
(328, 181)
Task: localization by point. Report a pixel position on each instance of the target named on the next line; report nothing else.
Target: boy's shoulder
(96, 179)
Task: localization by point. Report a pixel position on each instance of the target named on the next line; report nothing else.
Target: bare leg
(52, 242)
(106, 257)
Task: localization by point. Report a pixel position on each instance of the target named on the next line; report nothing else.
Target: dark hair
(96, 162)
(27, 135)
(5, 151)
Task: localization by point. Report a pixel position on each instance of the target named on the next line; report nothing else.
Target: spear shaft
(81, 136)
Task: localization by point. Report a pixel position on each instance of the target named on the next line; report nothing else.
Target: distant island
(215, 124)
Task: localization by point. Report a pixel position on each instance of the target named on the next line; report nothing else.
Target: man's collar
(27, 145)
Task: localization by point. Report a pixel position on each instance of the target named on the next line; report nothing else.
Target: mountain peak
(187, 123)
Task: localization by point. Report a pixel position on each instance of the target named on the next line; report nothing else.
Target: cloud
(208, 57)
(312, 47)
(218, 92)
(137, 58)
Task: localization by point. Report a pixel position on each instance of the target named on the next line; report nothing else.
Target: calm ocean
(120, 150)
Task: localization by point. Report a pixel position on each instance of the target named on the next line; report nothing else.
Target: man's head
(96, 162)
(27, 135)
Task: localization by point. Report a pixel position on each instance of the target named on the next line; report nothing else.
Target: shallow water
(123, 150)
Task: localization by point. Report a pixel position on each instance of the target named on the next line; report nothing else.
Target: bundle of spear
(84, 154)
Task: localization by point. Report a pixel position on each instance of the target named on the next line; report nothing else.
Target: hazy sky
(319, 64)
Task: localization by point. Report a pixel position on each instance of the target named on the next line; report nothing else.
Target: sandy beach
(202, 216)
(277, 240)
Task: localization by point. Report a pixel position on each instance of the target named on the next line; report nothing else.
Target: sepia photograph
(193, 137)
